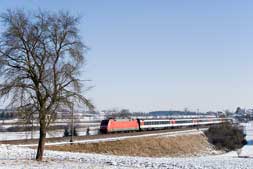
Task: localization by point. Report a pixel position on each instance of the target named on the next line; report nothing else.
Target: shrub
(74, 132)
(226, 137)
(68, 132)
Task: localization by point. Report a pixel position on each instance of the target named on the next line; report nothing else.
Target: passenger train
(121, 125)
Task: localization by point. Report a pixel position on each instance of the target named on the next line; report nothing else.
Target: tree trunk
(42, 140)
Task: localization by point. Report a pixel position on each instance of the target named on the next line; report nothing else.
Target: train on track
(127, 125)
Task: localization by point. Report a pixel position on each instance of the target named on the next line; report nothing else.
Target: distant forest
(173, 113)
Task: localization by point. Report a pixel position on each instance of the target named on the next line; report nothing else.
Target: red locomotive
(116, 125)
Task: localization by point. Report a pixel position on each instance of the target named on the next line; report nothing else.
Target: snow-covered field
(16, 157)
(55, 133)
(20, 157)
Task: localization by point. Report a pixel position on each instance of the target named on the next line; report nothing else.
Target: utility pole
(72, 122)
(32, 128)
(198, 117)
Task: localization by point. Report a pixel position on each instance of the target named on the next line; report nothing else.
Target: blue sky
(167, 54)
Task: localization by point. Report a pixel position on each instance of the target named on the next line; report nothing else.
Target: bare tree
(41, 55)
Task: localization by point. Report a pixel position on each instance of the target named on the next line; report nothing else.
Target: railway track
(100, 137)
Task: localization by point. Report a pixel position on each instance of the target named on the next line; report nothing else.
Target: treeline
(7, 115)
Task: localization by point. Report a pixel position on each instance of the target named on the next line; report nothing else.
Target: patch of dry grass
(146, 147)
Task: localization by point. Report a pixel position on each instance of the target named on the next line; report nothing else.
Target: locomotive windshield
(104, 122)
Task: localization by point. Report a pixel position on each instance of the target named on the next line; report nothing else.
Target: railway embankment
(171, 145)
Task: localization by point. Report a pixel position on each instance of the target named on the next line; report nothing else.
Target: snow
(21, 157)
(16, 157)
